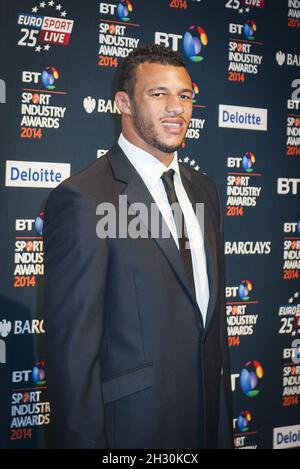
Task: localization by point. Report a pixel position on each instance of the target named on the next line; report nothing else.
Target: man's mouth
(173, 126)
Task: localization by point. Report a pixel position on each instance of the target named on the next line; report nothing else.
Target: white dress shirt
(151, 169)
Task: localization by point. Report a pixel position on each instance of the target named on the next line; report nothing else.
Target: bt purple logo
(244, 289)
(49, 75)
(249, 29)
(193, 42)
(38, 373)
(124, 8)
(250, 375)
(248, 161)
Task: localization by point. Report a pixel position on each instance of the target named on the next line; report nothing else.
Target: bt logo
(37, 374)
(286, 186)
(49, 75)
(244, 289)
(248, 29)
(250, 375)
(243, 421)
(246, 162)
(196, 91)
(124, 8)
(292, 227)
(194, 40)
(30, 223)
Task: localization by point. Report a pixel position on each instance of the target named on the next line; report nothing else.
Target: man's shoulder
(92, 182)
(90, 175)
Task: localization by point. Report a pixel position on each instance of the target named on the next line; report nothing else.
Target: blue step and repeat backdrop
(58, 61)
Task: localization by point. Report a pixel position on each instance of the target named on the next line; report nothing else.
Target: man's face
(161, 105)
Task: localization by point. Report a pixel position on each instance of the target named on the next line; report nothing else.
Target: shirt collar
(149, 168)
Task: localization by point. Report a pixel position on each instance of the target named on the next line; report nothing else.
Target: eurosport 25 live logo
(244, 6)
(47, 24)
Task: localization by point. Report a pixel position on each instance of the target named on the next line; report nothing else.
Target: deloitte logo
(240, 117)
(35, 174)
(286, 437)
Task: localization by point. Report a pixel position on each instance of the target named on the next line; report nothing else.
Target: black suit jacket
(129, 363)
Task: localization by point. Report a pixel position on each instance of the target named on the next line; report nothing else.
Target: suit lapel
(197, 195)
(136, 191)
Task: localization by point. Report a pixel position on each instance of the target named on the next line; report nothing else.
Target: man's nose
(174, 105)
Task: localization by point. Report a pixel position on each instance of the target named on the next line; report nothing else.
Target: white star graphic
(192, 163)
(247, 10)
(241, 10)
(38, 49)
(47, 47)
(34, 10)
(197, 168)
(58, 7)
(42, 5)
(296, 294)
(50, 4)
(63, 13)
(186, 159)
(291, 300)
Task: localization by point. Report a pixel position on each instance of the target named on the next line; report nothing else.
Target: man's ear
(123, 102)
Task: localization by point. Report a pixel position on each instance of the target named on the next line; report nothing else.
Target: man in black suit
(136, 336)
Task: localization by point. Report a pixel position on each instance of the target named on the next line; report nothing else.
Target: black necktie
(168, 181)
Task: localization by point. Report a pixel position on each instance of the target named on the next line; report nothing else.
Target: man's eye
(185, 96)
(157, 94)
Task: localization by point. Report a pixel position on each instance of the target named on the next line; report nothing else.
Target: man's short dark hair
(152, 53)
